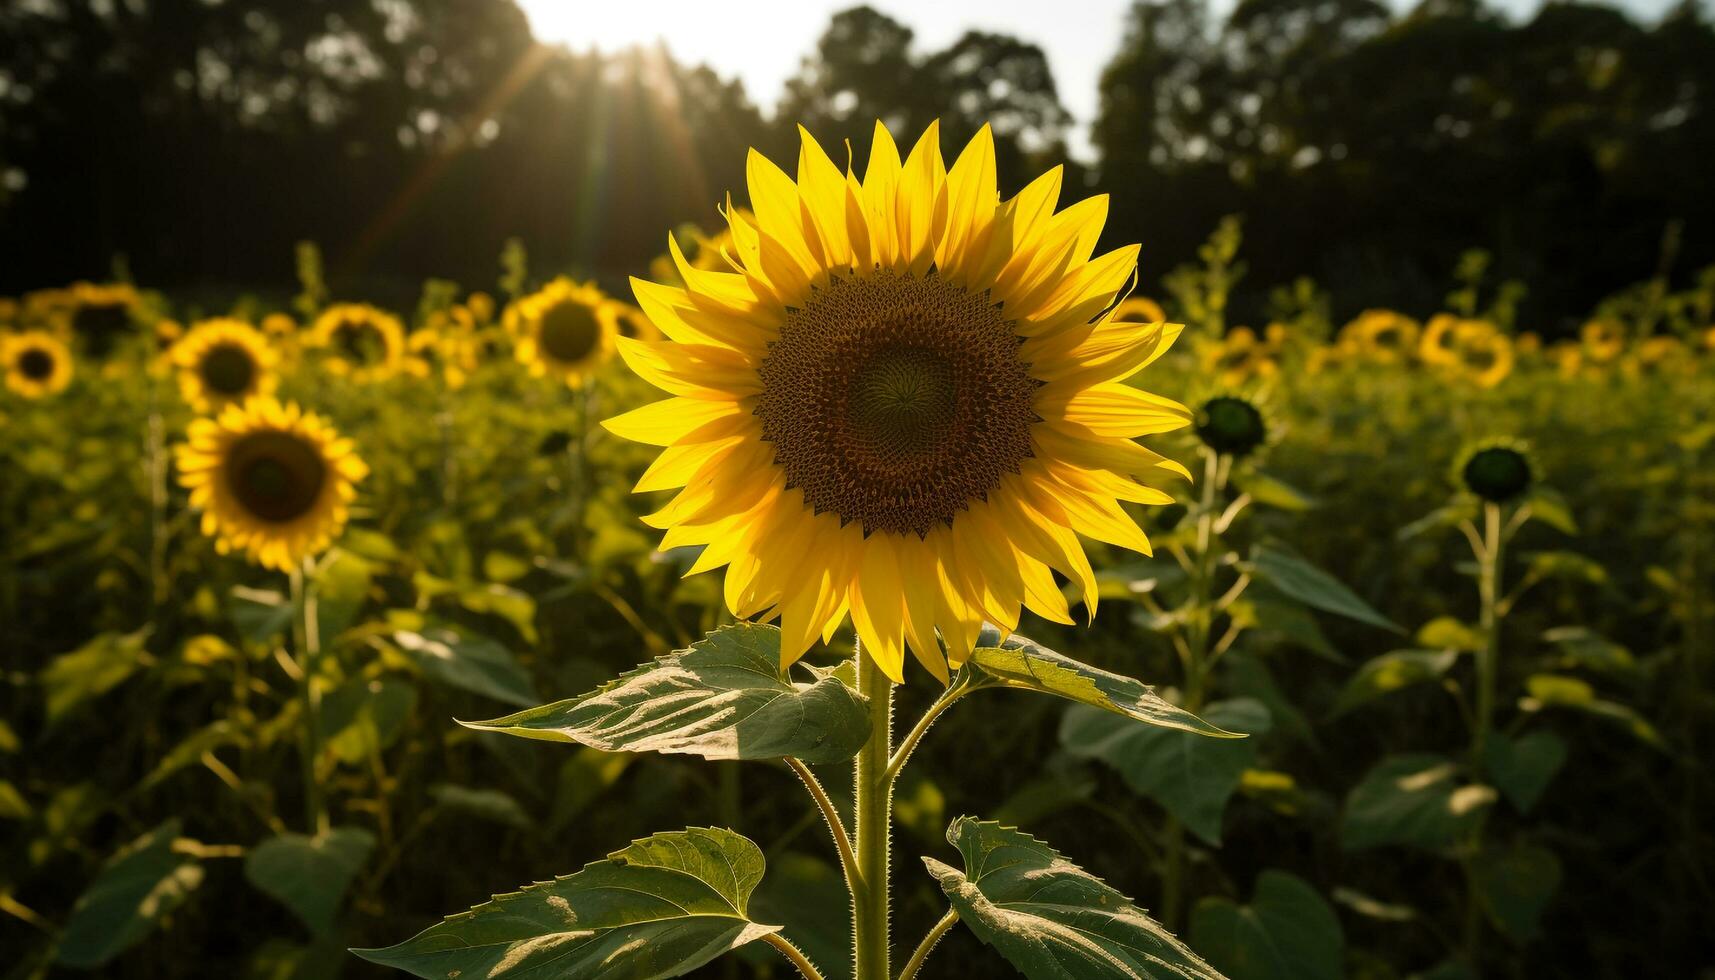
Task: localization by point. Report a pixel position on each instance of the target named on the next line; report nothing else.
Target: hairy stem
(792, 953)
(873, 792)
(1488, 658)
(923, 948)
(836, 828)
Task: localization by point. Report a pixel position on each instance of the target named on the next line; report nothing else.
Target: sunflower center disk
(358, 341)
(895, 401)
(569, 331)
(228, 370)
(36, 364)
(276, 476)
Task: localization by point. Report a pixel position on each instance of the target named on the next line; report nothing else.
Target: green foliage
(310, 875)
(1515, 885)
(1310, 585)
(1418, 799)
(661, 907)
(1392, 672)
(1192, 777)
(142, 883)
(1026, 665)
(725, 697)
(1051, 919)
(1287, 932)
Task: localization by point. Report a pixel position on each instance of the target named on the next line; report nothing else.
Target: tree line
(412, 138)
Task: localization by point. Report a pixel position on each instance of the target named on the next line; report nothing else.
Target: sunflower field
(895, 577)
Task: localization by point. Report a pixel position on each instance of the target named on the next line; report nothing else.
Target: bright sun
(606, 24)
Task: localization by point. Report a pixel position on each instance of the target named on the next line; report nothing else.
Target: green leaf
(1415, 799)
(1523, 767)
(261, 615)
(1549, 507)
(488, 804)
(13, 806)
(341, 589)
(1287, 932)
(90, 671)
(724, 698)
(1025, 665)
(1566, 565)
(1271, 491)
(1193, 777)
(1585, 648)
(139, 886)
(1558, 689)
(1561, 691)
(188, 752)
(1449, 633)
(1051, 919)
(309, 875)
(361, 717)
(1449, 515)
(470, 662)
(1277, 619)
(1392, 672)
(508, 603)
(658, 908)
(1312, 586)
(1515, 885)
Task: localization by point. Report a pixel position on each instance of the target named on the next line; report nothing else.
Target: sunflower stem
(1196, 656)
(306, 643)
(1488, 658)
(873, 795)
(928, 944)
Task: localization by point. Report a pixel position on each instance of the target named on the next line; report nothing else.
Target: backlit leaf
(659, 908)
(723, 698)
(1051, 919)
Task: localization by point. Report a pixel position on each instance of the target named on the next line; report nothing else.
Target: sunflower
(565, 330)
(1140, 309)
(907, 403)
(223, 360)
(100, 314)
(1435, 346)
(1496, 470)
(1231, 425)
(1240, 357)
(1603, 340)
(271, 480)
(633, 324)
(37, 363)
(451, 345)
(361, 341)
(1481, 354)
(1382, 336)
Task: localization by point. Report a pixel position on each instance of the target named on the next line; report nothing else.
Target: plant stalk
(1196, 656)
(873, 795)
(306, 643)
(1488, 658)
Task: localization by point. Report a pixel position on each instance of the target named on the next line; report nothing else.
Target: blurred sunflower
(100, 314)
(9, 311)
(1140, 309)
(279, 326)
(37, 363)
(633, 324)
(271, 480)
(1240, 357)
(1603, 340)
(906, 404)
(1661, 355)
(221, 361)
(362, 342)
(449, 347)
(1481, 354)
(168, 332)
(480, 306)
(565, 330)
(1382, 336)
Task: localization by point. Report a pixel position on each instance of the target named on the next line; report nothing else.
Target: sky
(762, 41)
